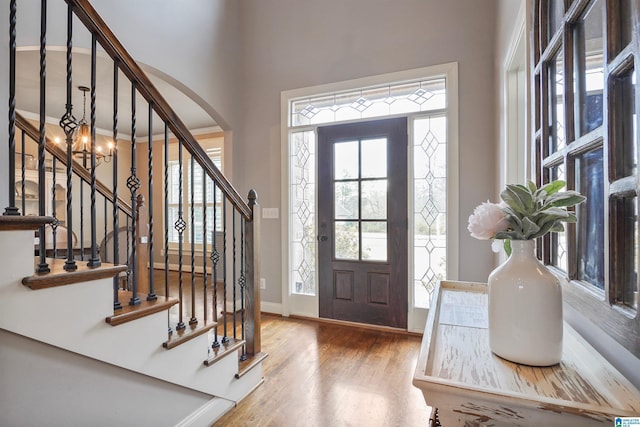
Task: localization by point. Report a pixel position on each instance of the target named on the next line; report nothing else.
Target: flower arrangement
(526, 212)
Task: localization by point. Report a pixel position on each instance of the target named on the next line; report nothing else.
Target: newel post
(252, 268)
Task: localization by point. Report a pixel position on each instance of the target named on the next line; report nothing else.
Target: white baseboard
(208, 413)
(271, 307)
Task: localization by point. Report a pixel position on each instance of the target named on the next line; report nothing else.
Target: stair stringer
(72, 317)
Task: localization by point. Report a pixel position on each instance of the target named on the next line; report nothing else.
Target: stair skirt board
(72, 318)
(71, 389)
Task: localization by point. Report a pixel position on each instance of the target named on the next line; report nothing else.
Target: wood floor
(320, 374)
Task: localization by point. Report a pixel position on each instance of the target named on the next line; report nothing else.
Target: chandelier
(81, 148)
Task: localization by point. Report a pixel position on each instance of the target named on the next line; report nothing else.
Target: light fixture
(81, 147)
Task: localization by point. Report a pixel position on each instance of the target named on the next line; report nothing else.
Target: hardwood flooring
(320, 374)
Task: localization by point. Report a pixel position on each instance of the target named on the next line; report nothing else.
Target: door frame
(307, 305)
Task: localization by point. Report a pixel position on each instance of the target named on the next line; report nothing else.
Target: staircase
(88, 342)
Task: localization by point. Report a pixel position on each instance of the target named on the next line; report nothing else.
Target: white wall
(290, 44)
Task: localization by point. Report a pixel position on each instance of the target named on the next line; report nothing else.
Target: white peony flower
(486, 220)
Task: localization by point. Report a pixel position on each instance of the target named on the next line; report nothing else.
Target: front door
(362, 222)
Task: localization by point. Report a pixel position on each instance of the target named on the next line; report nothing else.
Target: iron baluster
(215, 257)
(116, 205)
(23, 172)
(12, 209)
(233, 275)
(133, 183)
(55, 223)
(68, 123)
(152, 290)
(180, 226)
(129, 265)
(43, 267)
(204, 244)
(166, 218)
(242, 283)
(94, 261)
(225, 338)
(192, 174)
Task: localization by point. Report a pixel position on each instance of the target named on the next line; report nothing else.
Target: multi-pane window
(174, 197)
(584, 111)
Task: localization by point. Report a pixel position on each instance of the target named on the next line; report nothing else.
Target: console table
(471, 386)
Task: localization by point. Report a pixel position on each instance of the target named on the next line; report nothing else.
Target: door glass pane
(347, 243)
(374, 241)
(589, 180)
(430, 205)
(346, 200)
(625, 21)
(374, 199)
(590, 76)
(345, 160)
(374, 158)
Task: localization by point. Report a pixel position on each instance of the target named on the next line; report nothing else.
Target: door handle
(322, 238)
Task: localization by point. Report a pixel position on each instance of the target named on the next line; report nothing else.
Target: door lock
(322, 238)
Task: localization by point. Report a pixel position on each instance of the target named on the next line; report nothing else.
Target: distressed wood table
(471, 386)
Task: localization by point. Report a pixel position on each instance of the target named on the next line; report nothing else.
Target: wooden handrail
(94, 23)
(61, 156)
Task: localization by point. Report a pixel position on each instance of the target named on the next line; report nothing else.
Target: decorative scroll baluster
(152, 290)
(180, 226)
(95, 258)
(12, 209)
(193, 319)
(225, 338)
(55, 223)
(215, 257)
(68, 124)
(43, 267)
(242, 282)
(116, 205)
(133, 183)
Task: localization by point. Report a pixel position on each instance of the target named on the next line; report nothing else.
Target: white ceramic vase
(525, 309)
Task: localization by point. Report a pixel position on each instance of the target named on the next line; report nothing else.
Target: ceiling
(28, 94)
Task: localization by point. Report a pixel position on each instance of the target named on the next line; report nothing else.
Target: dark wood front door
(362, 227)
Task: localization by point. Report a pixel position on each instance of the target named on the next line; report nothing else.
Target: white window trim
(308, 306)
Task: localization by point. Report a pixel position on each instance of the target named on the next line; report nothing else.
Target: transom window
(585, 121)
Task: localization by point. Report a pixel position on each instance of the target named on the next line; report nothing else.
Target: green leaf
(507, 246)
(529, 228)
(532, 187)
(513, 200)
(524, 195)
(554, 187)
(557, 227)
(567, 198)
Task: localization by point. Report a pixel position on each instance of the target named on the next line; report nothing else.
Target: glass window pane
(345, 160)
(625, 126)
(346, 200)
(556, 11)
(625, 275)
(374, 199)
(374, 158)
(559, 240)
(590, 183)
(346, 240)
(374, 241)
(590, 68)
(625, 23)
(556, 110)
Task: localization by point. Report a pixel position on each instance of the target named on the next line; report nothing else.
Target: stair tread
(58, 276)
(180, 336)
(19, 222)
(219, 352)
(244, 366)
(132, 312)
